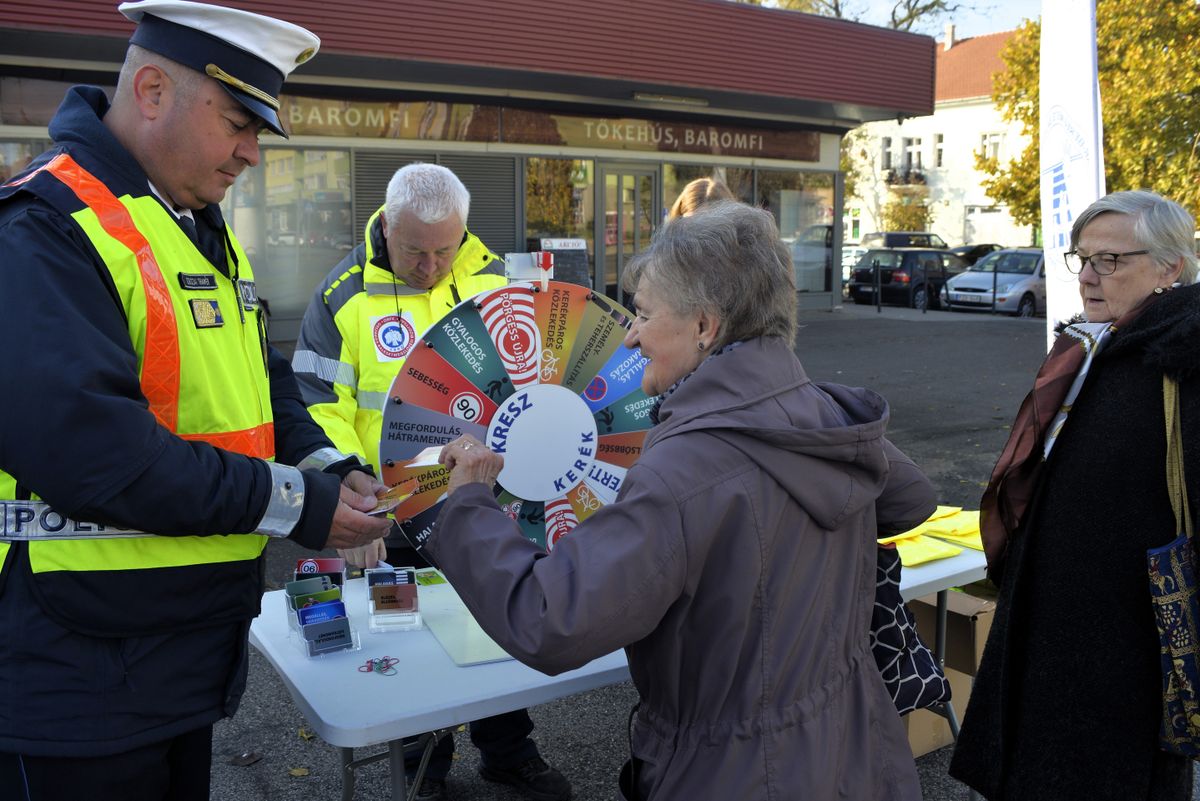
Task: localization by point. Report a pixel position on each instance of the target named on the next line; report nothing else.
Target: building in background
(931, 159)
(564, 119)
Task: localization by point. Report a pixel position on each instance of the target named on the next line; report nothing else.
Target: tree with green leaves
(908, 209)
(1149, 72)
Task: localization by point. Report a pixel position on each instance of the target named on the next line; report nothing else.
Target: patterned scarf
(1039, 422)
(671, 389)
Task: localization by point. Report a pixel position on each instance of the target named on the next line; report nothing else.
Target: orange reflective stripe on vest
(258, 442)
(160, 362)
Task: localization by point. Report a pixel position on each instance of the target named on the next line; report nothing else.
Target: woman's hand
(468, 461)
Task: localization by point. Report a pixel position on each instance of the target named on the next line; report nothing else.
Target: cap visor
(257, 108)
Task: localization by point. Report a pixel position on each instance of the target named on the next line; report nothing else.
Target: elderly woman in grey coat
(737, 565)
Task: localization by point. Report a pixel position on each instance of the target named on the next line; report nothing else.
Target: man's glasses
(1102, 263)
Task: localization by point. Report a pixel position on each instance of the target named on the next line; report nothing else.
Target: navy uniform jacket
(74, 431)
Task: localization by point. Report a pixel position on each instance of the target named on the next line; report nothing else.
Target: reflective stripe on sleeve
(286, 504)
(372, 400)
(323, 457)
(324, 368)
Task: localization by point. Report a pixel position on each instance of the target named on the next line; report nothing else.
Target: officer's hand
(351, 527)
(368, 555)
(468, 461)
(363, 483)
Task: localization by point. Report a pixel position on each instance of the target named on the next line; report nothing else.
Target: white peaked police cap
(248, 54)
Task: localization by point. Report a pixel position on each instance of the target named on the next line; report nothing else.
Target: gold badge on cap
(305, 55)
(206, 313)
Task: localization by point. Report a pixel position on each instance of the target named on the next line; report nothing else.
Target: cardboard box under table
(968, 621)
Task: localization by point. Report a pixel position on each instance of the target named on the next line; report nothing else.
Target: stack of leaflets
(315, 606)
(392, 598)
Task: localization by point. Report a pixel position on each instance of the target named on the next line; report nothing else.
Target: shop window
(939, 144)
(677, 176)
(293, 217)
(803, 205)
(15, 155)
(559, 201)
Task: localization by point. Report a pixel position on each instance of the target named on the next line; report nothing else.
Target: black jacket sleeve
(75, 428)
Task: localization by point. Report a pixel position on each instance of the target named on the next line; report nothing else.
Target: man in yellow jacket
(416, 262)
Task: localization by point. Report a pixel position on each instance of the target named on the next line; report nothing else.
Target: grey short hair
(1161, 226)
(727, 259)
(430, 191)
(187, 80)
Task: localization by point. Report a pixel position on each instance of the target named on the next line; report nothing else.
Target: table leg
(939, 650)
(396, 769)
(347, 774)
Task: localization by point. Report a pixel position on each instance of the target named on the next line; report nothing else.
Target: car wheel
(1027, 307)
(919, 298)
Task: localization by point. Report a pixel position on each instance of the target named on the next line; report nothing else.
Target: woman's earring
(1158, 290)
(700, 346)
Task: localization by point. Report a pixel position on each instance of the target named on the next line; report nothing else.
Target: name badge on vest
(249, 294)
(197, 281)
(206, 313)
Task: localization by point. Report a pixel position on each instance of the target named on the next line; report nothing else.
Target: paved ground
(954, 382)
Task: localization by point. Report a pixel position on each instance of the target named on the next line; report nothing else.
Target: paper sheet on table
(916, 549)
(952, 524)
(960, 529)
(454, 627)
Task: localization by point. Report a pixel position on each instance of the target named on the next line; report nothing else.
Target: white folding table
(430, 693)
(433, 694)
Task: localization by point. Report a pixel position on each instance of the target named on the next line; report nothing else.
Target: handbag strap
(1176, 485)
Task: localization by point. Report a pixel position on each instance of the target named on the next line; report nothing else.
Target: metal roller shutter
(492, 182)
(372, 171)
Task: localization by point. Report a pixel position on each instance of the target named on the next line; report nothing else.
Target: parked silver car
(1018, 276)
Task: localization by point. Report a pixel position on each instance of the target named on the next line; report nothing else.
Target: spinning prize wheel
(539, 376)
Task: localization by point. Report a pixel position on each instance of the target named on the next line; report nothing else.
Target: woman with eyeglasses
(1068, 699)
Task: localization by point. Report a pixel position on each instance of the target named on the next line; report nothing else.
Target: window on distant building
(939, 142)
(912, 154)
(887, 153)
(852, 224)
(989, 145)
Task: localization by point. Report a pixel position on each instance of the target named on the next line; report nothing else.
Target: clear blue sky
(975, 18)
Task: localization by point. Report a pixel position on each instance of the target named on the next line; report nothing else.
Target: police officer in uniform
(416, 262)
(141, 396)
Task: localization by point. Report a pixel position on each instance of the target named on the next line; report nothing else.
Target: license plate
(867, 290)
(963, 297)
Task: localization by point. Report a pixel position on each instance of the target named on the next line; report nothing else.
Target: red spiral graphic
(509, 318)
(560, 521)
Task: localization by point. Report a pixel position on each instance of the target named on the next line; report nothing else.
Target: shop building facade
(566, 120)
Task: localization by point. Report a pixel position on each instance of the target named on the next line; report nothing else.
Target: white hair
(429, 191)
(1161, 226)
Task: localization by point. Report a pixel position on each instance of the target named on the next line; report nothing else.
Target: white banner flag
(1071, 142)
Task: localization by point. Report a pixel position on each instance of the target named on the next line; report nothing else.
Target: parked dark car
(903, 239)
(907, 276)
(973, 253)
